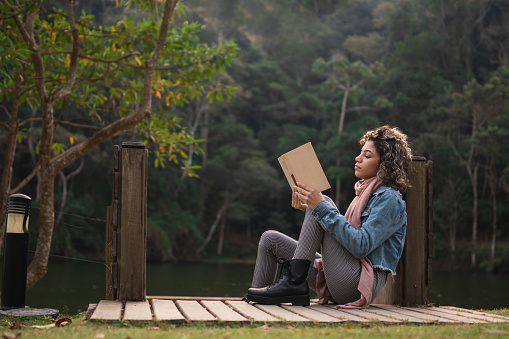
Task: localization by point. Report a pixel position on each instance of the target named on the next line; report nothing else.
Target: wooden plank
(166, 310)
(311, 314)
(280, 312)
(137, 310)
(222, 311)
(369, 315)
(108, 310)
(411, 311)
(133, 225)
(402, 316)
(193, 311)
(333, 312)
(249, 311)
(90, 310)
(497, 316)
(458, 318)
(193, 298)
(474, 315)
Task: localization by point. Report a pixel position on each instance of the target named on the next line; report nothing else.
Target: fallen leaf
(63, 322)
(16, 326)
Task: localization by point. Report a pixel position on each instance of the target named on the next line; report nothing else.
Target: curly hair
(395, 156)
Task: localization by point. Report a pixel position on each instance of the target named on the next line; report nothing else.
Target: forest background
(319, 71)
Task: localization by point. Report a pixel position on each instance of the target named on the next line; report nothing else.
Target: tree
(473, 136)
(345, 77)
(117, 75)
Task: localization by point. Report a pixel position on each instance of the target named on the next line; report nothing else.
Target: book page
(302, 165)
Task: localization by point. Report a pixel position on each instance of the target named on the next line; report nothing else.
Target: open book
(302, 165)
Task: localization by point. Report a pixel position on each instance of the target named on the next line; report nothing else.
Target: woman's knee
(268, 238)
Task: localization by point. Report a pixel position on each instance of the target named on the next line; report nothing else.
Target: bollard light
(14, 275)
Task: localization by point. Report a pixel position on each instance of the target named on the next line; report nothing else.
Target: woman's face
(366, 163)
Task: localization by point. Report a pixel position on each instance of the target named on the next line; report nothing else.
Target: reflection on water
(73, 285)
(473, 291)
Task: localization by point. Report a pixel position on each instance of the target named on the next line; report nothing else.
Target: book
(301, 165)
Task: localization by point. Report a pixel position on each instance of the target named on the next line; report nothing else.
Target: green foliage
(240, 83)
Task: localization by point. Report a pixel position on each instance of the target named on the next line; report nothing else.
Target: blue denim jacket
(382, 235)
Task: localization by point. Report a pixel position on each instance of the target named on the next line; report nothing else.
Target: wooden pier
(191, 309)
(126, 267)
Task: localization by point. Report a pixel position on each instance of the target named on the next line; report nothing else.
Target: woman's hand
(307, 195)
(296, 203)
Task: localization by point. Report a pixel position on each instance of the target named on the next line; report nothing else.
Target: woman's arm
(386, 217)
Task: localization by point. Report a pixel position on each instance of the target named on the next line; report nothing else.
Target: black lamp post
(14, 277)
(14, 274)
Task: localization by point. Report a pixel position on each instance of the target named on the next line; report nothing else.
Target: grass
(81, 328)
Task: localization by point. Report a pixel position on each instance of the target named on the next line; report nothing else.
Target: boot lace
(283, 265)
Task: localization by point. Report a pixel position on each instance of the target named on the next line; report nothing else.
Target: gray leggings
(342, 270)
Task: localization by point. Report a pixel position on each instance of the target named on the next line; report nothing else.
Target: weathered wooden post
(413, 275)
(126, 231)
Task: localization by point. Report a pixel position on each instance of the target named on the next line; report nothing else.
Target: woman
(358, 249)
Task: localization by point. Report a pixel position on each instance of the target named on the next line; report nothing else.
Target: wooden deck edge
(193, 309)
(194, 298)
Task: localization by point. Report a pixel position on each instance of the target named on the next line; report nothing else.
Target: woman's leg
(342, 271)
(274, 245)
(310, 238)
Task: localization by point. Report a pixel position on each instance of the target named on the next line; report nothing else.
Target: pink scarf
(363, 191)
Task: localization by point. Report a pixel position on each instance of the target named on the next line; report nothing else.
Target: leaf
(137, 60)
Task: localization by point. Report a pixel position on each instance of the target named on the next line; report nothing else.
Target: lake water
(72, 285)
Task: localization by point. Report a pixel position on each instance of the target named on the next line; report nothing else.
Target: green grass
(81, 328)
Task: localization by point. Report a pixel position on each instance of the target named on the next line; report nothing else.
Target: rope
(74, 226)
(75, 259)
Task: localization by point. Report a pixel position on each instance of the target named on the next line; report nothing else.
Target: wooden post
(127, 230)
(413, 274)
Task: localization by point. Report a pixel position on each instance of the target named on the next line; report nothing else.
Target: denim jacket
(382, 235)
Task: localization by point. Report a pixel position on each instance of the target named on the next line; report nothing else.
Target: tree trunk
(50, 167)
(337, 197)
(213, 227)
(453, 219)
(340, 131)
(473, 179)
(492, 183)
(221, 233)
(494, 227)
(39, 265)
(10, 151)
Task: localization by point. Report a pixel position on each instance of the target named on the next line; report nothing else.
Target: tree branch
(65, 122)
(74, 56)
(6, 110)
(67, 157)
(27, 179)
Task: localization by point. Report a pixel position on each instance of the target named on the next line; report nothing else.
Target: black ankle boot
(291, 288)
